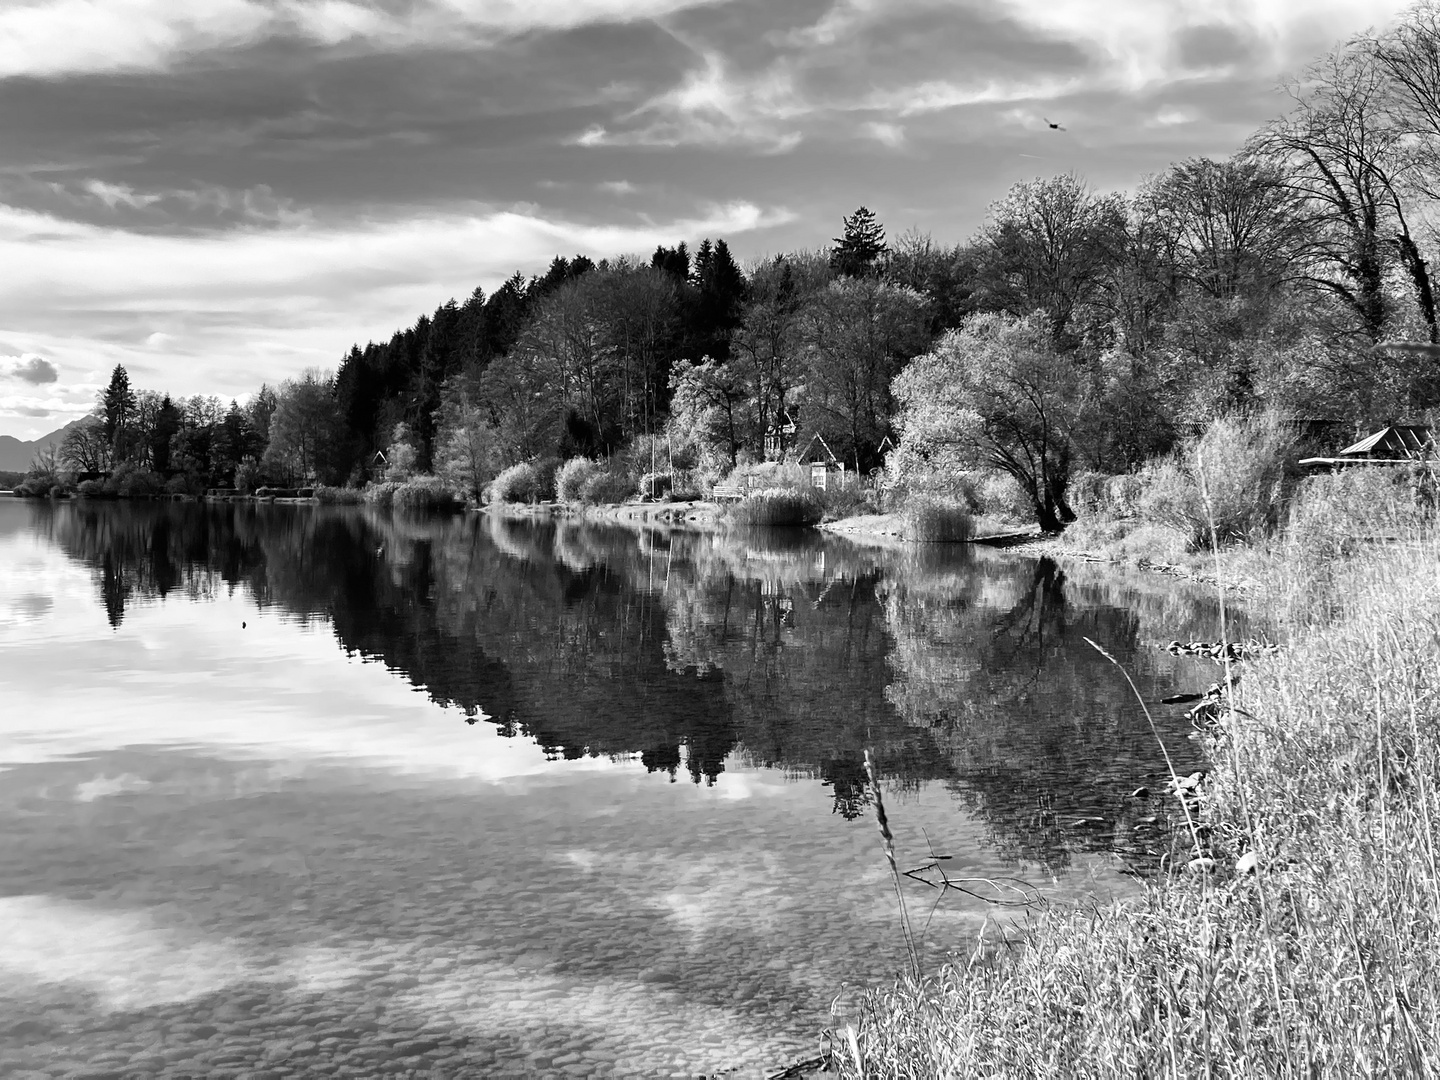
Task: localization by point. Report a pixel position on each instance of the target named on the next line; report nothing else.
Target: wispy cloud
(222, 311)
(713, 105)
(219, 193)
(62, 37)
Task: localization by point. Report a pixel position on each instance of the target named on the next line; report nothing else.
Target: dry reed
(1312, 946)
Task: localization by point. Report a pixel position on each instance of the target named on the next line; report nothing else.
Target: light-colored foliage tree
(996, 393)
(400, 455)
(468, 452)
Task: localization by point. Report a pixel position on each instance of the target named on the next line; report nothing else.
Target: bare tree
(86, 448)
(1048, 246)
(1344, 156)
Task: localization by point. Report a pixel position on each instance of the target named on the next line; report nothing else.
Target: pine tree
(720, 302)
(858, 252)
(167, 426)
(674, 261)
(117, 405)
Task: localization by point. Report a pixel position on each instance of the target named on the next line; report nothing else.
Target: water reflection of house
(825, 469)
(1398, 444)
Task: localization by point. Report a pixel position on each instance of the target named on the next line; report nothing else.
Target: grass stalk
(911, 951)
(1320, 963)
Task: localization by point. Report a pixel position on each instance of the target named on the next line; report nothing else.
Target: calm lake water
(293, 791)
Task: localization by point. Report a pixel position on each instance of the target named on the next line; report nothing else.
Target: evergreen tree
(674, 261)
(505, 315)
(117, 404)
(167, 426)
(719, 307)
(858, 252)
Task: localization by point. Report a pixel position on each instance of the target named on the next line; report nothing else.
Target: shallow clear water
(296, 791)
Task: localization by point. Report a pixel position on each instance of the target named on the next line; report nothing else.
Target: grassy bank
(1321, 960)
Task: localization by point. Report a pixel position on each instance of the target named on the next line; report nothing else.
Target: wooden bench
(726, 492)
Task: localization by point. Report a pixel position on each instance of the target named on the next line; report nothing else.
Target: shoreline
(1300, 780)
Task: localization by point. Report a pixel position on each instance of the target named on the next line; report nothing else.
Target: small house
(779, 436)
(1398, 444)
(826, 470)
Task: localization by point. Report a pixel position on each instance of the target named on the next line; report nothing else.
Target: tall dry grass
(1232, 481)
(935, 520)
(1322, 959)
(779, 506)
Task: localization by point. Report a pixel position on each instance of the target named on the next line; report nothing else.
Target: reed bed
(423, 494)
(935, 520)
(338, 496)
(779, 506)
(1309, 944)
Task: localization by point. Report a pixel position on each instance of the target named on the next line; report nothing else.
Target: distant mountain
(15, 456)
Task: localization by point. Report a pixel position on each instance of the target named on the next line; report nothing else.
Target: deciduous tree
(857, 332)
(996, 393)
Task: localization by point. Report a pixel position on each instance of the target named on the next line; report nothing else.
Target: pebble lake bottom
(448, 806)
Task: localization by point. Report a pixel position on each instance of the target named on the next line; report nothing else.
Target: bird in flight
(1053, 126)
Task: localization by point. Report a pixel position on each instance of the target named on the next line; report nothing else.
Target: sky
(224, 193)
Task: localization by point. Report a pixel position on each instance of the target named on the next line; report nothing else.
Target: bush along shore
(1296, 930)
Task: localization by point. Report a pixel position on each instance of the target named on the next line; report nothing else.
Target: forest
(1076, 332)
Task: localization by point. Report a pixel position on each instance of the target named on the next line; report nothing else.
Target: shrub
(607, 486)
(1086, 492)
(131, 481)
(760, 475)
(847, 500)
(1121, 497)
(936, 520)
(779, 506)
(519, 483)
(94, 489)
(427, 494)
(184, 484)
(545, 469)
(571, 477)
(1000, 495)
(1233, 475)
(247, 477)
(685, 486)
(36, 487)
(381, 495)
(338, 496)
(655, 485)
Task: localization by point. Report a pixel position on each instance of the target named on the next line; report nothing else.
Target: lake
(293, 790)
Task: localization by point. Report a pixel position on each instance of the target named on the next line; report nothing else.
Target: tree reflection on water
(789, 650)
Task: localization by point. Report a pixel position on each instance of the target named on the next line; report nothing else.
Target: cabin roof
(807, 456)
(1397, 438)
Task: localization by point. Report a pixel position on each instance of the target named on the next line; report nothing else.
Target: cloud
(31, 369)
(113, 195)
(247, 305)
(892, 135)
(713, 105)
(54, 38)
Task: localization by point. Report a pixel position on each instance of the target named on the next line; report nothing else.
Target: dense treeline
(1077, 330)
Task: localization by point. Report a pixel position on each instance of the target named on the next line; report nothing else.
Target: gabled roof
(1398, 439)
(829, 458)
